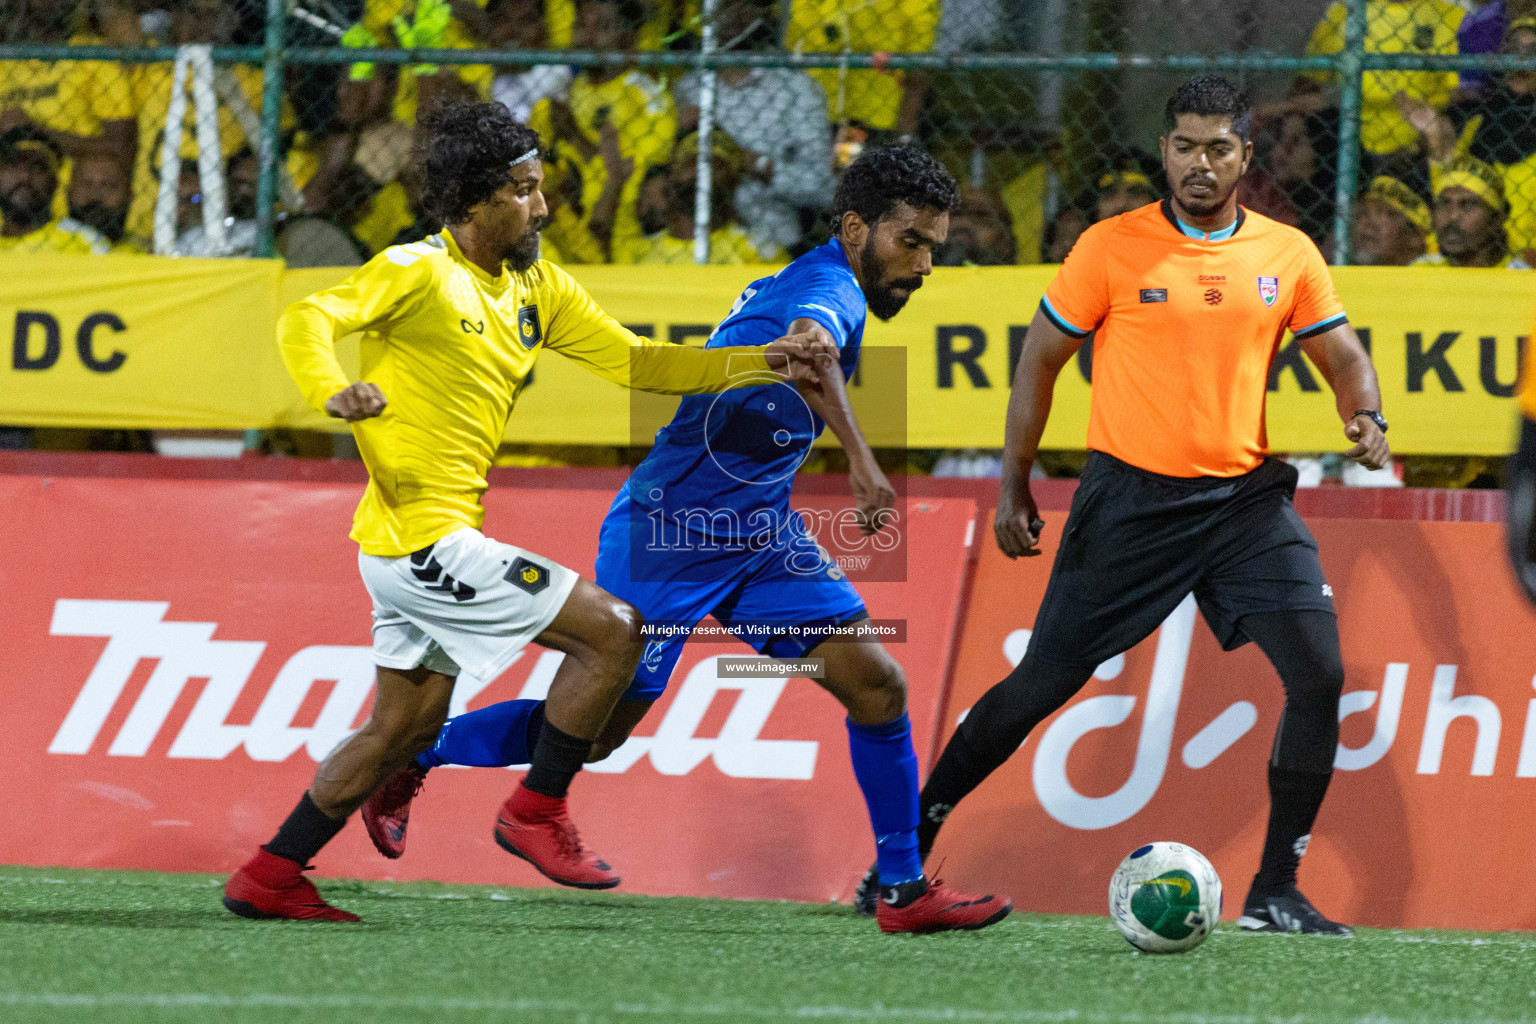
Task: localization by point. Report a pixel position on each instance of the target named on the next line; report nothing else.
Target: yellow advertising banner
(131, 342)
(134, 342)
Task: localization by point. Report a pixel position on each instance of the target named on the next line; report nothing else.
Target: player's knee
(623, 633)
(885, 690)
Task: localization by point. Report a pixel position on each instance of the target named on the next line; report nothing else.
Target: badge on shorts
(1269, 290)
(526, 575)
(528, 330)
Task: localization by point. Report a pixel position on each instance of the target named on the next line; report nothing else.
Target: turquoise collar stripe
(1220, 235)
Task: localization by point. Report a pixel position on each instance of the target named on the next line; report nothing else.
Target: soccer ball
(1165, 898)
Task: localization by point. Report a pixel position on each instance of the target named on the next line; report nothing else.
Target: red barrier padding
(181, 651)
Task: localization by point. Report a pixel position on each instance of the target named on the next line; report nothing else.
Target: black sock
(903, 893)
(1294, 799)
(556, 760)
(307, 829)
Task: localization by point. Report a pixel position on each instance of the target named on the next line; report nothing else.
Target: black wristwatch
(1375, 417)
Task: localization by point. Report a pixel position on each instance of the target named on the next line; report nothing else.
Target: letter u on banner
(1052, 787)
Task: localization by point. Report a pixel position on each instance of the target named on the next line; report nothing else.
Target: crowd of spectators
(1448, 161)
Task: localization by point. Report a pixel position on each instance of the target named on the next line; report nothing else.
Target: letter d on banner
(1052, 787)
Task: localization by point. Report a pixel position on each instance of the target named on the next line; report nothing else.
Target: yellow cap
(1402, 199)
(1125, 178)
(1477, 177)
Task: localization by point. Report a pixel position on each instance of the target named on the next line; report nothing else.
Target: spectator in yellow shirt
(429, 25)
(1392, 26)
(84, 106)
(29, 178)
(99, 193)
(665, 226)
(634, 104)
(882, 99)
(1469, 216)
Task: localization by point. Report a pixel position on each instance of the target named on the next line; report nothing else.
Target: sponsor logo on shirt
(1154, 295)
(478, 327)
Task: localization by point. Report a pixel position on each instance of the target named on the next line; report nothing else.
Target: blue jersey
(726, 463)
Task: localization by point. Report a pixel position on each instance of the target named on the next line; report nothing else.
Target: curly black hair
(1211, 96)
(466, 151)
(886, 175)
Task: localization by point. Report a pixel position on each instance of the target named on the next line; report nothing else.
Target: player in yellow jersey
(450, 336)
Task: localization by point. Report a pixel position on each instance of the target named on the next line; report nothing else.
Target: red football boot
(387, 813)
(537, 828)
(269, 886)
(938, 909)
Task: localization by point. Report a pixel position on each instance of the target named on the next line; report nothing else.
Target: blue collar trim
(1219, 235)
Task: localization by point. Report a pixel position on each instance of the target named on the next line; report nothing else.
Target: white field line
(1522, 940)
(877, 1012)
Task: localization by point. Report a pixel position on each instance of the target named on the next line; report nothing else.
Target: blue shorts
(781, 601)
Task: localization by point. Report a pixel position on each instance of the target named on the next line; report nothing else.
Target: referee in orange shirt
(1189, 299)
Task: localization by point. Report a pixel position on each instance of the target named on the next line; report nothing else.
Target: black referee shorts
(1137, 542)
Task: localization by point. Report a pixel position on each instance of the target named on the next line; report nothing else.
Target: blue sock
(492, 737)
(886, 767)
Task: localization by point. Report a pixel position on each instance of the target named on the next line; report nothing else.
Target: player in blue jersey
(703, 527)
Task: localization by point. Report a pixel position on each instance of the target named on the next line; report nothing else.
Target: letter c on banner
(1052, 787)
(85, 342)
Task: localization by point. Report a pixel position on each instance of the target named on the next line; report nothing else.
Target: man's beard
(96, 214)
(524, 252)
(1456, 242)
(879, 294)
(26, 208)
(1208, 207)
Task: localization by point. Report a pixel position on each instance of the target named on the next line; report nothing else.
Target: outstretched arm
(1346, 365)
(828, 398)
(581, 331)
(1046, 350)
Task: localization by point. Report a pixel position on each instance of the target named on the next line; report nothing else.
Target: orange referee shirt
(1187, 325)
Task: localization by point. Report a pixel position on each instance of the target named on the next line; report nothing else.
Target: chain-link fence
(1391, 132)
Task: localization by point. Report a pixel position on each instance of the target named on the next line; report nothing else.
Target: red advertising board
(181, 651)
(1428, 820)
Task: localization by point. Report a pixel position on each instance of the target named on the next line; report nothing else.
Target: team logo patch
(528, 330)
(1213, 296)
(1154, 295)
(526, 575)
(1269, 290)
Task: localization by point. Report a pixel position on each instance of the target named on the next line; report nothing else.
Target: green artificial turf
(127, 946)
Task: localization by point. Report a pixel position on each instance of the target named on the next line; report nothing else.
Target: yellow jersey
(450, 346)
(862, 26)
(61, 236)
(1394, 26)
(73, 96)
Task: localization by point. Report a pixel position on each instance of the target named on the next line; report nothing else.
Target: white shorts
(464, 606)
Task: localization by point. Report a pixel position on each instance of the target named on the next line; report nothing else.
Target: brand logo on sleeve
(1269, 290)
(1154, 295)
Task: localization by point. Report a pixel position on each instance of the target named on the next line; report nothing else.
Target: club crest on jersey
(526, 575)
(1269, 290)
(528, 330)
